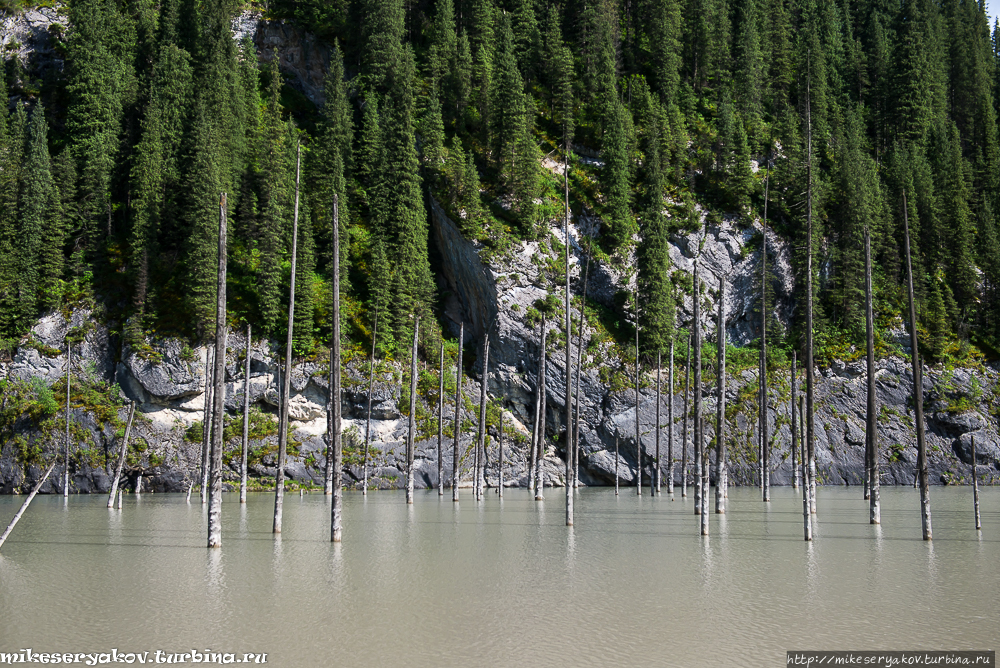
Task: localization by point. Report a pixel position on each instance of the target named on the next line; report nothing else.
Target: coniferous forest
(111, 165)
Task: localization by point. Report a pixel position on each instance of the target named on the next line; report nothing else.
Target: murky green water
(502, 584)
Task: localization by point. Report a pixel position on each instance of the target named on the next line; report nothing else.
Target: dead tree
(69, 375)
(458, 414)
(579, 369)
(684, 430)
(617, 459)
(368, 421)
(335, 447)
(279, 482)
(765, 448)
(654, 485)
(543, 391)
(810, 364)
(918, 392)
(24, 506)
(975, 485)
(206, 422)
(500, 459)
(411, 432)
(121, 457)
(246, 424)
(698, 445)
(538, 411)
(440, 461)
(569, 357)
(219, 391)
(871, 426)
(638, 437)
(670, 422)
(480, 455)
(795, 439)
(721, 472)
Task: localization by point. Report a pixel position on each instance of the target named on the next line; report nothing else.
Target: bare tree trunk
(411, 433)
(617, 459)
(533, 456)
(975, 485)
(368, 422)
(654, 486)
(246, 423)
(684, 431)
(569, 357)
(279, 486)
(705, 482)
(481, 442)
(871, 426)
(918, 393)
(765, 446)
(69, 375)
(458, 414)
(219, 391)
(335, 448)
(500, 459)
(810, 364)
(121, 457)
(579, 370)
(638, 437)
(698, 445)
(795, 439)
(540, 456)
(440, 461)
(670, 421)
(24, 506)
(206, 424)
(721, 472)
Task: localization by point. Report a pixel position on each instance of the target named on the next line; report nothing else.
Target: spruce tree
(12, 148)
(382, 30)
(615, 176)
(655, 290)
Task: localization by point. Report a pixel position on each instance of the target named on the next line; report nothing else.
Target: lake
(502, 583)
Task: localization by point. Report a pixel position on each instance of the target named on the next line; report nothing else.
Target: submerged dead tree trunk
(975, 486)
(570, 483)
(579, 368)
(458, 414)
(810, 364)
(335, 448)
(721, 471)
(121, 457)
(411, 432)
(245, 444)
(698, 445)
(684, 431)
(918, 392)
(533, 455)
(27, 502)
(219, 391)
(871, 426)
(500, 459)
(368, 420)
(765, 447)
(206, 421)
(543, 391)
(638, 436)
(479, 479)
(440, 451)
(670, 421)
(654, 485)
(69, 375)
(795, 433)
(279, 482)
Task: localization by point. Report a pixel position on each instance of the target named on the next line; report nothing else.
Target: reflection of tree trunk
(246, 424)
(279, 483)
(440, 461)
(721, 472)
(871, 427)
(121, 457)
(218, 392)
(411, 433)
(458, 414)
(918, 393)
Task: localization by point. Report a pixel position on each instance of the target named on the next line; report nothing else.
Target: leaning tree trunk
(684, 430)
(279, 482)
(810, 364)
(219, 391)
(871, 426)
(698, 491)
(638, 437)
(335, 453)
(721, 472)
(569, 359)
(795, 438)
(458, 414)
(246, 424)
(121, 457)
(670, 422)
(543, 391)
(411, 432)
(918, 393)
(440, 461)
(24, 506)
(368, 420)
(69, 375)
(975, 486)
(206, 422)
(579, 368)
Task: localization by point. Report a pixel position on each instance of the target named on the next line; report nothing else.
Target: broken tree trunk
(368, 421)
(871, 426)
(246, 424)
(279, 483)
(721, 472)
(219, 391)
(121, 457)
(458, 414)
(24, 506)
(411, 432)
(918, 392)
